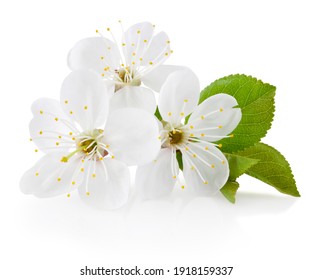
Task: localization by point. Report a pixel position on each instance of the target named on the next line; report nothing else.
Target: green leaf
(179, 159)
(272, 168)
(229, 190)
(239, 165)
(256, 100)
(157, 114)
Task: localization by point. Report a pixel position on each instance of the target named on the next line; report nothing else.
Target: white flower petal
(178, 96)
(51, 177)
(136, 39)
(205, 168)
(156, 178)
(157, 51)
(132, 136)
(215, 117)
(48, 106)
(95, 54)
(133, 97)
(51, 129)
(85, 98)
(50, 135)
(107, 185)
(156, 78)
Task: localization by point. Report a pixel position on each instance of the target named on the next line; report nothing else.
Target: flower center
(175, 137)
(89, 145)
(126, 77)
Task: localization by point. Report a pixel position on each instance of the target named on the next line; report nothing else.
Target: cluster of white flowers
(105, 121)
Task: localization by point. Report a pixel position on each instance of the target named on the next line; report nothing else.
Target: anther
(64, 159)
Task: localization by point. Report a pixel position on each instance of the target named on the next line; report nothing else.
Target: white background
(265, 235)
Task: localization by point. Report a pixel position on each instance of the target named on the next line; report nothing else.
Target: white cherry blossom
(129, 64)
(205, 168)
(85, 147)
